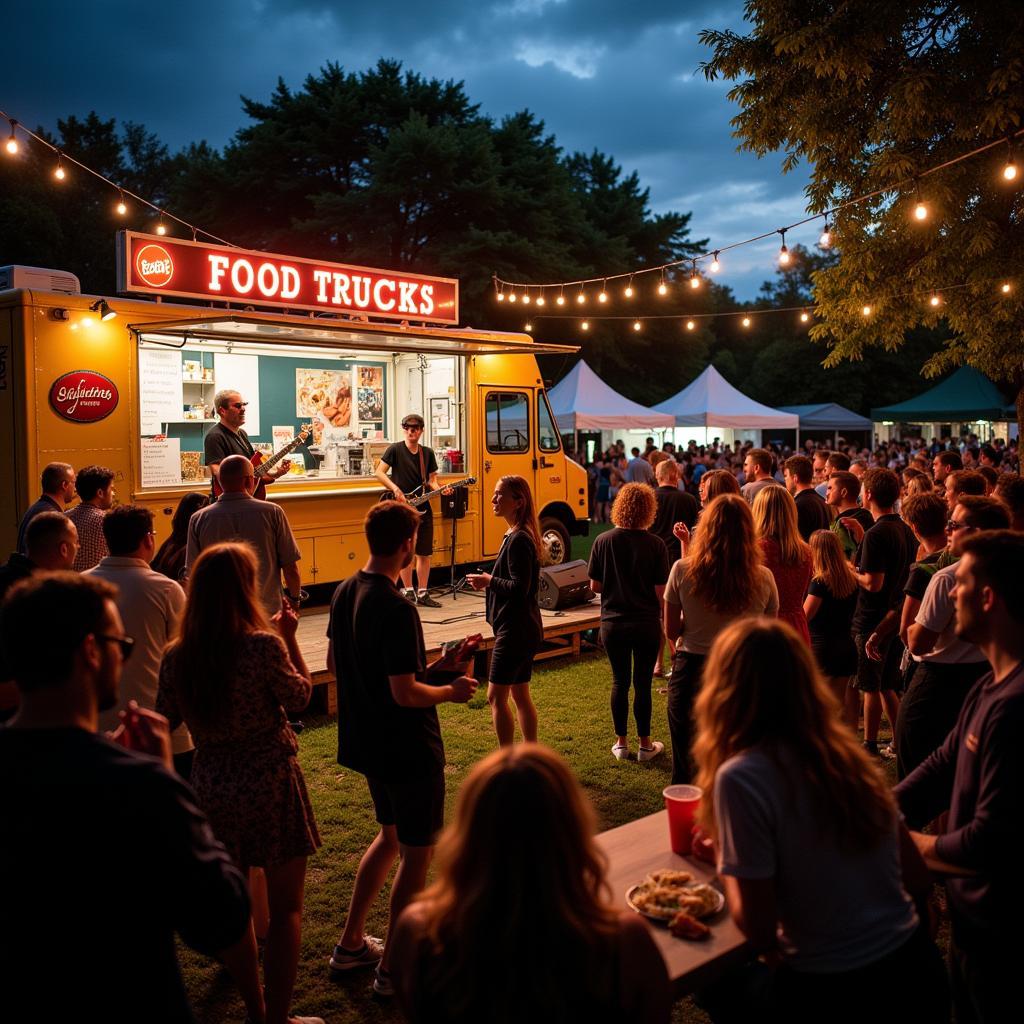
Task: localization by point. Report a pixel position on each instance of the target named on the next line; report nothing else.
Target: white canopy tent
(711, 401)
(582, 401)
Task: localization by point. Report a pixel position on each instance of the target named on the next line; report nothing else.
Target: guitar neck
(268, 464)
(422, 499)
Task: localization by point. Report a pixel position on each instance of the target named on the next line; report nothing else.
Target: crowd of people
(152, 785)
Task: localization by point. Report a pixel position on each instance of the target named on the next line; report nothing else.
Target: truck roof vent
(39, 279)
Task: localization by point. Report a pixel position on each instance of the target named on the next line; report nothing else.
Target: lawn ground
(573, 704)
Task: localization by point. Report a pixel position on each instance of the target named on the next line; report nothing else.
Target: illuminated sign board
(157, 265)
(83, 396)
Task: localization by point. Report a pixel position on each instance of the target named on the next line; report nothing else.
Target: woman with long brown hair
(829, 607)
(170, 558)
(719, 579)
(232, 679)
(512, 610)
(785, 553)
(519, 923)
(628, 568)
(816, 865)
(715, 483)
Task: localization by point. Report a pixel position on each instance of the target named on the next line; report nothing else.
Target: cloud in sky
(602, 75)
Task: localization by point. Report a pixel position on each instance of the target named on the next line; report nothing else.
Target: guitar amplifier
(564, 586)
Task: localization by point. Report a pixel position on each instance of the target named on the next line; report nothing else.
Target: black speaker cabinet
(564, 586)
(453, 506)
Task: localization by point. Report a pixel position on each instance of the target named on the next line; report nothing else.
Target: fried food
(669, 877)
(699, 900)
(684, 926)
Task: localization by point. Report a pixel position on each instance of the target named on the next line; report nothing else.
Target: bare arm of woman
(811, 606)
(752, 904)
(672, 621)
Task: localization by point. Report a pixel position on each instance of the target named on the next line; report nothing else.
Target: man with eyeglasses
(101, 840)
(947, 664)
(227, 437)
(149, 604)
(413, 469)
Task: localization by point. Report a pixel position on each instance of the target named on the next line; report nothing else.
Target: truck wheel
(556, 540)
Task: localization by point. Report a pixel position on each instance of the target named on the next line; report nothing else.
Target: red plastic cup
(681, 802)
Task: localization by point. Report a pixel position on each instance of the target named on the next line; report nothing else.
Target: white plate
(665, 920)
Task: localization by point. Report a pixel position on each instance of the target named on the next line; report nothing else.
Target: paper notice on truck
(161, 462)
(160, 398)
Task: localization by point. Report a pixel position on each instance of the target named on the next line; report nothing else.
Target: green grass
(581, 545)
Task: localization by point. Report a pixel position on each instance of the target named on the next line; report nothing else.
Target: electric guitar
(415, 500)
(262, 464)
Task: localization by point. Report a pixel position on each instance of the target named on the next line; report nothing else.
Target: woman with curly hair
(628, 568)
(785, 553)
(819, 873)
(720, 578)
(520, 881)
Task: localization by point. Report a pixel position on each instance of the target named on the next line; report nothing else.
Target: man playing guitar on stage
(413, 466)
(228, 438)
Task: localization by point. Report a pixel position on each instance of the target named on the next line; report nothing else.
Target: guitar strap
(423, 471)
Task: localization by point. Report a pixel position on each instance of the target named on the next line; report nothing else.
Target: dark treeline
(387, 168)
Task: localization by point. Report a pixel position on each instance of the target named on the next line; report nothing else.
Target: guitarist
(228, 438)
(413, 467)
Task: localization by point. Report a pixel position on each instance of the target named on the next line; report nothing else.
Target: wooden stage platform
(458, 616)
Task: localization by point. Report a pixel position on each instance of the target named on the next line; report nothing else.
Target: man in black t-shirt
(388, 728)
(413, 469)
(851, 520)
(227, 437)
(811, 511)
(882, 566)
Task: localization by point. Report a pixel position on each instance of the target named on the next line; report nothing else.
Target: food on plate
(657, 901)
(667, 876)
(685, 926)
(699, 900)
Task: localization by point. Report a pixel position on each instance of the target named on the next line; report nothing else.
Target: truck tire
(555, 538)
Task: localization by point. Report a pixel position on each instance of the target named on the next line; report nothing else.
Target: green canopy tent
(966, 396)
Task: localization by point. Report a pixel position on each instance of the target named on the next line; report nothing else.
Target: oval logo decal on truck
(154, 265)
(83, 396)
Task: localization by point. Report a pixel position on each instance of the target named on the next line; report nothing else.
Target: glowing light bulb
(866, 311)
(161, 228)
(826, 238)
(602, 296)
(663, 288)
(513, 297)
(934, 300)
(804, 317)
(629, 291)
(745, 321)
(122, 206)
(59, 172)
(784, 255)
(581, 298)
(636, 325)
(541, 300)
(12, 144)
(715, 265)
(1010, 170)
(1005, 289)
(585, 326)
(694, 281)
(501, 296)
(529, 328)
(560, 301)
(526, 299)
(921, 211)
(690, 325)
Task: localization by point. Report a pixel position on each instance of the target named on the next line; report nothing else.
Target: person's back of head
(950, 459)
(965, 481)
(128, 530)
(775, 519)
(981, 513)
(53, 477)
(46, 622)
(846, 487)
(762, 689)
(522, 824)
(635, 507)
(635, 452)
(723, 561)
(800, 468)
(388, 525)
(1010, 491)
(836, 462)
(991, 475)
(762, 460)
(91, 480)
(881, 488)
(51, 541)
(926, 515)
(718, 482)
(234, 472)
(995, 560)
(187, 507)
(667, 472)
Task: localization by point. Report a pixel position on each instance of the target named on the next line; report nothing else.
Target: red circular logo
(83, 396)
(154, 265)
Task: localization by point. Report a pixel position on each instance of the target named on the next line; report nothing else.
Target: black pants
(930, 708)
(984, 979)
(632, 652)
(683, 686)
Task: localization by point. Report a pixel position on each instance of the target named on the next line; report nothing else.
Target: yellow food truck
(128, 383)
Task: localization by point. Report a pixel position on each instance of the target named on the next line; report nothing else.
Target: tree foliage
(870, 95)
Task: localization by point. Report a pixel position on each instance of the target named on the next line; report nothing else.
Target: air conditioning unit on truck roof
(39, 279)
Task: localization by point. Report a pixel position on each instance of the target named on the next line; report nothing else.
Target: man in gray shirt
(638, 470)
(237, 515)
(757, 470)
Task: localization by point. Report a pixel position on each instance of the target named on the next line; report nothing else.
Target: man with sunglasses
(101, 840)
(227, 437)
(413, 469)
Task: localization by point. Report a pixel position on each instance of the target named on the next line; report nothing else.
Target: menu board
(160, 400)
(161, 461)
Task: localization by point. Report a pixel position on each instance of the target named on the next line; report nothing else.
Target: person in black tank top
(512, 610)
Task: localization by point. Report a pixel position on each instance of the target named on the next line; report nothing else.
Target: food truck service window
(350, 403)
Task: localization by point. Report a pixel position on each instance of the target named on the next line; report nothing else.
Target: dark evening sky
(621, 78)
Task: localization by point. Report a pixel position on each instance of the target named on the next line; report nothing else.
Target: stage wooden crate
(456, 618)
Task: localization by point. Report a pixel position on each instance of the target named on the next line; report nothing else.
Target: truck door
(507, 448)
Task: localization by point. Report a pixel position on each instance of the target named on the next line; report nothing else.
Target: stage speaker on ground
(564, 586)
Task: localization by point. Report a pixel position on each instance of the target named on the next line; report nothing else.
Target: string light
(745, 321)
(541, 301)
(920, 210)
(663, 288)
(1010, 170)
(690, 325)
(603, 295)
(934, 300)
(59, 172)
(560, 301)
(629, 288)
(826, 236)
(529, 328)
(1005, 289)
(501, 295)
(716, 266)
(12, 141)
(161, 228)
(783, 252)
(526, 298)
(636, 325)
(804, 317)
(866, 311)
(694, 276)
(122, 206)
(585, 326)
(512, 297)
(581, 298)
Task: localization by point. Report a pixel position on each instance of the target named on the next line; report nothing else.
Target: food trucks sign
(83, 396)
(157, 265)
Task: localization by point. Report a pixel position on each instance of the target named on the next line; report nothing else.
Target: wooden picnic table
(642, 846)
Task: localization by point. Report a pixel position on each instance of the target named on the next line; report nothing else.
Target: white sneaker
(651, 752)
(620, 752)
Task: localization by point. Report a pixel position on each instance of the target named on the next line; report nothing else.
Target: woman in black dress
(512, 610)
(170, 558)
